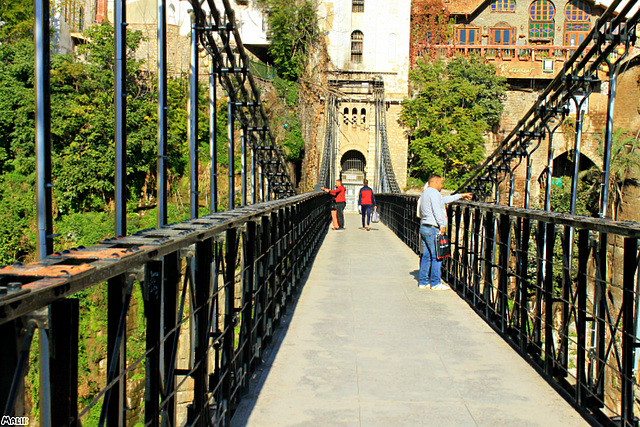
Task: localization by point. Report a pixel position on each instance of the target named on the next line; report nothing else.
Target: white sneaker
(441, 287)
(423, 286)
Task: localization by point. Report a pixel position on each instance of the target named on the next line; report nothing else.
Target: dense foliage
(82, 134)
(431, 26)
(287, 120)
(455, 103)
(293, 27)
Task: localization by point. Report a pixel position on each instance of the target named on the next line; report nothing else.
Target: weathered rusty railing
(215, 285)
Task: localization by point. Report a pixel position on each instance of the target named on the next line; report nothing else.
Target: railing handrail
(622, 228)
(59, 275)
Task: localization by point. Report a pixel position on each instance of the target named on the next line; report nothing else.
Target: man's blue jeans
(429, 264)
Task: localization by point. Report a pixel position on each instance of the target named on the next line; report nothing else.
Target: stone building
(528, 42)
(368, 42)
(72, 17)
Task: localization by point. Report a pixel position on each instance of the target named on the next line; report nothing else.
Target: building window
(577, 10)
(265, 24)
(354, 116)
(81, 19)
(466, 36)
(345, 115)
(356, 47)
(503, 35)
(577, 25)
(363, 116)
(357, 5)
(541, 19)
(503, 6)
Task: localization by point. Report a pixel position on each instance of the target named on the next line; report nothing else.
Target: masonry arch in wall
(353, 166)
(562, 167)
(563, 164)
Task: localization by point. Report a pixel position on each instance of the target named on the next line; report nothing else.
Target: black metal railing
(575, 324)
(215, 286)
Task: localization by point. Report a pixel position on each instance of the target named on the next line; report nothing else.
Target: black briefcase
(443, 246)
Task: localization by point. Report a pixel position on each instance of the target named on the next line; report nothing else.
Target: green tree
(83, 123)
(293, 27)
(455, 102)
(16, 20)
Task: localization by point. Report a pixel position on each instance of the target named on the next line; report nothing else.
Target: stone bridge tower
(368, 42)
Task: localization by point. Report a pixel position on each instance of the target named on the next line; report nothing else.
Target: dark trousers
(366, 213)
(340, 208)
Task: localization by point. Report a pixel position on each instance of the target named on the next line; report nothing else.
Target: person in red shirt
(367, 202)
(341, 201)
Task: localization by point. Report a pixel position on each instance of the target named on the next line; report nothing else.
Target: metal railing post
(162, 113)
(243, 162)
(63, 329)
(152, 311)
(193, 122)
(43, 129)
(581, 319)
(228, 371)
(213, 137)
(120, 41)
(628, 330)
(204, 256)
(231, 147)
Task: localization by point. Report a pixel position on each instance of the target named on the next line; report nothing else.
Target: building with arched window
(368, 45)
(526, 39)
(577, 24)
(357, 40)
(529, 42)
(542, 15)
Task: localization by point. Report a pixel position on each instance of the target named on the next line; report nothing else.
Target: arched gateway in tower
(353, 171)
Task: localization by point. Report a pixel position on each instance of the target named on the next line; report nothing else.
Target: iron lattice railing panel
(215, 287)
(327, 168)
(513, 267)
(386, 176)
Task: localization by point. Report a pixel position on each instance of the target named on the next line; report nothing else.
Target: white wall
(250, 23)
(386, 29)
(146, 12)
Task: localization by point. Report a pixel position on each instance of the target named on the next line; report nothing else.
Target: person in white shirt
(433, 222)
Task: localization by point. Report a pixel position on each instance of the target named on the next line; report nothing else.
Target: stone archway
(563, 171)
(563, 164)
(353, 169)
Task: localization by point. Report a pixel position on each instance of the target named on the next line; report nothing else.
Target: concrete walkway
(365, 347)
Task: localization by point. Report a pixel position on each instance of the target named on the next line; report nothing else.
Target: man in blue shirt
(433, 222)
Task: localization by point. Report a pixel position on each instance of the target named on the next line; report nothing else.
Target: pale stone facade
(385, 30)
(72, 17)
(368, 40)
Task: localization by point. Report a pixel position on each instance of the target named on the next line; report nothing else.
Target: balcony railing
(509, 53)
